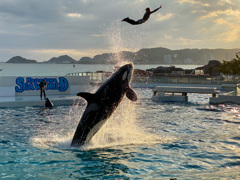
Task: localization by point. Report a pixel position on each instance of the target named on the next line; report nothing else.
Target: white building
(167, 59)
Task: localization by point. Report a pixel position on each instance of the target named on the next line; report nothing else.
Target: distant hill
(19, 59)
(164, 56)
(158, 55)
(65, 59)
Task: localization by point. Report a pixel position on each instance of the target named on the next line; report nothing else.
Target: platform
(230, 97)
(179, 93)
(222, 99)
(29, 101)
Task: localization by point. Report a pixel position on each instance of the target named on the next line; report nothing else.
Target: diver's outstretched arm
(156, 9)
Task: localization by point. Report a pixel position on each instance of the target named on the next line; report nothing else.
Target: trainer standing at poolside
(42, 86)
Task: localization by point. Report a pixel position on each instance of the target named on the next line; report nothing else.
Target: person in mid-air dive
(144, 19)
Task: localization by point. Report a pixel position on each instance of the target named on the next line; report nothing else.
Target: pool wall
(56, 85)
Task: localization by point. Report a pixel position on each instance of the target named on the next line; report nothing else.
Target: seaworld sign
(30, 84)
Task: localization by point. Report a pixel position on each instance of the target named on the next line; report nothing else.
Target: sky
(40, 30)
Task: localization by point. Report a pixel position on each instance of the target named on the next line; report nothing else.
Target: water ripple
(150, 140)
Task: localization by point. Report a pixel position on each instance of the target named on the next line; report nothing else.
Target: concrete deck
(222, 99)
(185, 90)
(159, 93)
(28, 101)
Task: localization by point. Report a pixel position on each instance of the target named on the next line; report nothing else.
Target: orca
(103, 103)
(48, 103)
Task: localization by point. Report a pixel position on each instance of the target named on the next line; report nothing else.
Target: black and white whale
(102, 104)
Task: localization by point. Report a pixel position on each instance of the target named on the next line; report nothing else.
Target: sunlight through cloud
(194, 2)
(74, 15)
(160, 17)
(228, 12)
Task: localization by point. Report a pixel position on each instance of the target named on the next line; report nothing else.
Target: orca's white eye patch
(124, 76)
(130, 75)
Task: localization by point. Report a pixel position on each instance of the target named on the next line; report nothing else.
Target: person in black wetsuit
(42, 86)
(144, 19)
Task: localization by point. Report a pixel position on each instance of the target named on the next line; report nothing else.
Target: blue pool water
(142, 140)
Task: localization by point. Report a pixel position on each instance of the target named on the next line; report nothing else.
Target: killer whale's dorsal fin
(48, 103)
(87, 96)
(131, 94)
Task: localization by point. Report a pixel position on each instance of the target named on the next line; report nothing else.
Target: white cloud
(186, 41)
(160, 17)
(81, 27)
(74, 15)
(227, 12)
(223, 2)
(194, 2)
(226, 35)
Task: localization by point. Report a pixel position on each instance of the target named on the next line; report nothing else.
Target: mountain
(163, 56)
(143, 56)
(158, 55)
(19, 59)
(65, 59)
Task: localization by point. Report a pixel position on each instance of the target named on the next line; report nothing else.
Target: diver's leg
(130, 21)
(140, 21)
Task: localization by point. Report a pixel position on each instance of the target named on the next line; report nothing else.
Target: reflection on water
(98, 163)
(145, 139)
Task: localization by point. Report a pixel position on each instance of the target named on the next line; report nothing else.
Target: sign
(31, 84)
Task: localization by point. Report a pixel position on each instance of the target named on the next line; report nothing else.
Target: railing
(215, 80)
(101, 76)
(94, 76)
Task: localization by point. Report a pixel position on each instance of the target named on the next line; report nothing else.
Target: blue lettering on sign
(33, 84)
(63, 84)
(19, 82)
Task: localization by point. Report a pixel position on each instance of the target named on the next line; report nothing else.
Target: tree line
(230, 67)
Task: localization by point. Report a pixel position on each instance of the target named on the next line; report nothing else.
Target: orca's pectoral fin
(131, 95)
(87, 96)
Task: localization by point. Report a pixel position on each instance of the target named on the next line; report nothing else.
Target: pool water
(141, 140)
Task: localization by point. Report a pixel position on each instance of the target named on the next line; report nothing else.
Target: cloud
(195, 2)
(188, 42)
(74, 15)
(227, 22)
(227, 13)
(223, 2)
(229, 36)
(48, 28)
(160, 17)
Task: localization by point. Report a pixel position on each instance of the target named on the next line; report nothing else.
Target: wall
(7, 86)
(29, 86)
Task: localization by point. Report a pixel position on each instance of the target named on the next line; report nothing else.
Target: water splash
(120, 40)
(59, 130)
(121, 128)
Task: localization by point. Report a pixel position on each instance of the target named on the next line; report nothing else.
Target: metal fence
(215, 80)
(94, 76)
